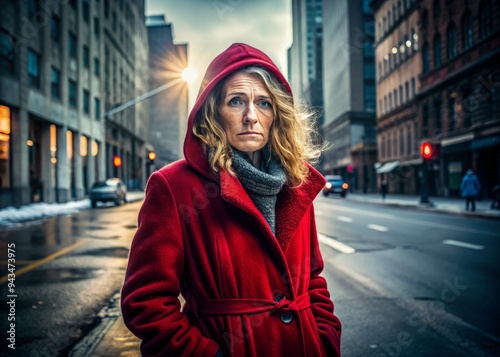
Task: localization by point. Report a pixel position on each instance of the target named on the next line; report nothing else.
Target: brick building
(459, 101)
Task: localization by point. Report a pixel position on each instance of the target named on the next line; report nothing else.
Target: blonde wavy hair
(293, 135)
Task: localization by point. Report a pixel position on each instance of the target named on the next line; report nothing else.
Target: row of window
(391, 18)
(55, 84)
(467, 33)
(397, 98)
(398, 55)
(388, 143)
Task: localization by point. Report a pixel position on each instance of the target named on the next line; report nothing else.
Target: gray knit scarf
(261, 185)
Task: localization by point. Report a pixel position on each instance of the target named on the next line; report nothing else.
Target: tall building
(398, 64)
(349, 92)
(169, 108)
(62, 66)
(459, 101)
(440, 88)
(305, 58)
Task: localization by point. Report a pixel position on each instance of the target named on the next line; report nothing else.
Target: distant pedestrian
(469, 188)
(232, 228)
(383, 188)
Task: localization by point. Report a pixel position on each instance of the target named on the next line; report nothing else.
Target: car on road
(335, 184)
(111, 190)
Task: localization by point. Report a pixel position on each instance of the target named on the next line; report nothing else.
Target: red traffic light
(427, 150)
(117, 161)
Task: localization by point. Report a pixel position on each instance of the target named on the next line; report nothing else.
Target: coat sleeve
(329, 325)
(150, 304)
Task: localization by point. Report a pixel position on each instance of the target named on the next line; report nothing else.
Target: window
(401, 99)
(380, 74)
(33, 69)
(437, 51)
(389, 141)
(33, 8)
(382, 146)
(72, 93)
(395, 95)
(467, 31)
(97, 108)
(425, 58)
(485, 28)
(86, 57)
(106, 8)
(438, 114)
(72, 45)
(96, 27)
(394, 14)
(425, 21)
(413, 87)
(113, 21)
(425, 121)
(384, 20)
(415, 40)
(451, 39)
(400, 10)
(73, 3)
(408, 140)
(389, 18)
(386, 107)
(6, 52)
(86, 11)
(55, 83)
(436, 9)
(401, 142)
(370, 98)
(467, 107)
(5, 164)
(407, 90)
(395, 142)
(390, 101)
(97, 67)
(368, 70)
(55, 29)
(452, 114)
(86, 101)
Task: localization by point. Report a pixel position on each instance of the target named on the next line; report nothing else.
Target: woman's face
(246, 112)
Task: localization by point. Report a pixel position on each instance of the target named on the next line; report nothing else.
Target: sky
(211, 26)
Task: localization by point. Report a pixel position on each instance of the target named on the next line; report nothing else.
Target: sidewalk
(437, 204)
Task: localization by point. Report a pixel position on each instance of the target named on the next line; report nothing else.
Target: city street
(408, 289)
(83, 260)
(405, 282)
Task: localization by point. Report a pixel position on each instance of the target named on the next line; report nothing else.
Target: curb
(107, 317)
(432, 209)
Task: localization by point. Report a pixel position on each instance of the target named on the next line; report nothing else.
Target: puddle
(61, 275)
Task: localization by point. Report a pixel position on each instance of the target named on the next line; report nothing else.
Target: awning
(485, 143)
(387, 167)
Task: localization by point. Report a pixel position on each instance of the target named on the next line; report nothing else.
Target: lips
(250, 133)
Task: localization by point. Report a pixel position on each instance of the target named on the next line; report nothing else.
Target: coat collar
(291, 206)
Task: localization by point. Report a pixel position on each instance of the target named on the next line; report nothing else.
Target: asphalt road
(67, 269)
(404, 282)
(411, 283)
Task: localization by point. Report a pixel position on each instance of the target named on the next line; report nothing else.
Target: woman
(232, 228)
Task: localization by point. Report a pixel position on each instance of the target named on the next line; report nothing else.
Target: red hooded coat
(248, 292)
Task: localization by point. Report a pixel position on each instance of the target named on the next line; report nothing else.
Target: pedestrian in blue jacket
(469, 188)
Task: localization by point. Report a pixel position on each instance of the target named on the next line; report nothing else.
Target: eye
(265, 104)
(235, 101)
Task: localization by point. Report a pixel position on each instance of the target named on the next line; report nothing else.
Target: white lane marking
(413, 221)
(335, 244)
(378, 228)
(354, 210)
(463, 244)
(344, 219)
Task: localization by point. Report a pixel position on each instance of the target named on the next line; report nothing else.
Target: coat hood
(237, 56)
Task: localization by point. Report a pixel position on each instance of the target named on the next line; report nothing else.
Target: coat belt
(200, 307)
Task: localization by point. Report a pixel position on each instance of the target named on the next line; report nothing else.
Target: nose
(250, 115)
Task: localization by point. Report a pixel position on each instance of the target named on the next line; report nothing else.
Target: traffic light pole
(424, 183)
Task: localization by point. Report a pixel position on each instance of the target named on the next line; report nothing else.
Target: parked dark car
(111, 190)
(335, 184)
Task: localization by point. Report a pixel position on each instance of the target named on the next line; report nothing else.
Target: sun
(189, 75)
